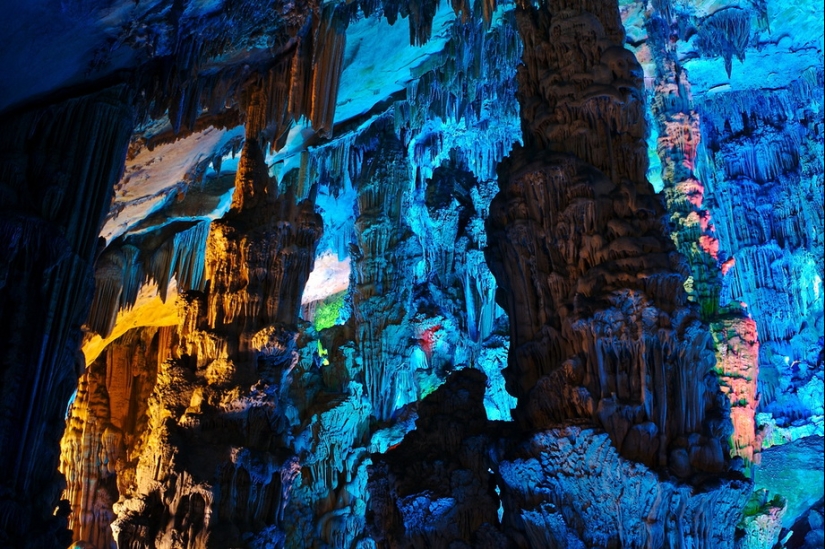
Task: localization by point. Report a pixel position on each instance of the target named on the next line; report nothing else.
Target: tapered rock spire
(219, 458)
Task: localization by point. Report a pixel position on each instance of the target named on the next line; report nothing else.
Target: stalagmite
(600, 326)
(602, 333)
(220, 449)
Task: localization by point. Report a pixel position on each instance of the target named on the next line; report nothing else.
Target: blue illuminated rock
(435, 488)
(569, 487)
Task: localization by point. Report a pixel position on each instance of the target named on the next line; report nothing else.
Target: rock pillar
(611, 364)
(219, 459)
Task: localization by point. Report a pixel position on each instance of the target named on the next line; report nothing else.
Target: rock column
(219, 461)
(734, 333)
(611, 364)
(383, 274)
(600, 324)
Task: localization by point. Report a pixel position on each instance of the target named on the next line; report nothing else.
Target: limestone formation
(569, 487)
(694, 233)
(248, 379)
(600, 325)
(105, 430)
(771, 164)
(218, 458)
(58, 168)
(436, 488)
(602, 333)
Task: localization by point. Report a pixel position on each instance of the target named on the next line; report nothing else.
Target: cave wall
(751, 146)
(334, 410)
(59, 166)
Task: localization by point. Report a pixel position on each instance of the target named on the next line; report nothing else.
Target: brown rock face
(56, 175)
(104, 430)
(600, 325)
(218, 460)
(602, 333)
(580, 91)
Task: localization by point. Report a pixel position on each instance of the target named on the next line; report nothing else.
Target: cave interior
(376, 274)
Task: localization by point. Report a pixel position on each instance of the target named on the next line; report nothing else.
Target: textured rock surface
(601, 329)
(569, 487)
(382, 273)
(807, 532)
(248, 416)
(57, 172)
(679, 136)
(760, 136)
(600, 325)
(790, 467)
(787, 322)
(436, 488)
(335, 410)
(218, 458)
(761, 523)
(105, 429)
(749, 203)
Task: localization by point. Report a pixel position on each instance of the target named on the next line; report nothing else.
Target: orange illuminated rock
(218, 458)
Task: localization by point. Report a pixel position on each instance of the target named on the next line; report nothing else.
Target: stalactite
(605, 329)
(327, 65)
(109, 277)
(422, 299)
(303, 82)
(266, 103)
(380, 274)
(726, 32)
(124, 268)
(472, 90)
